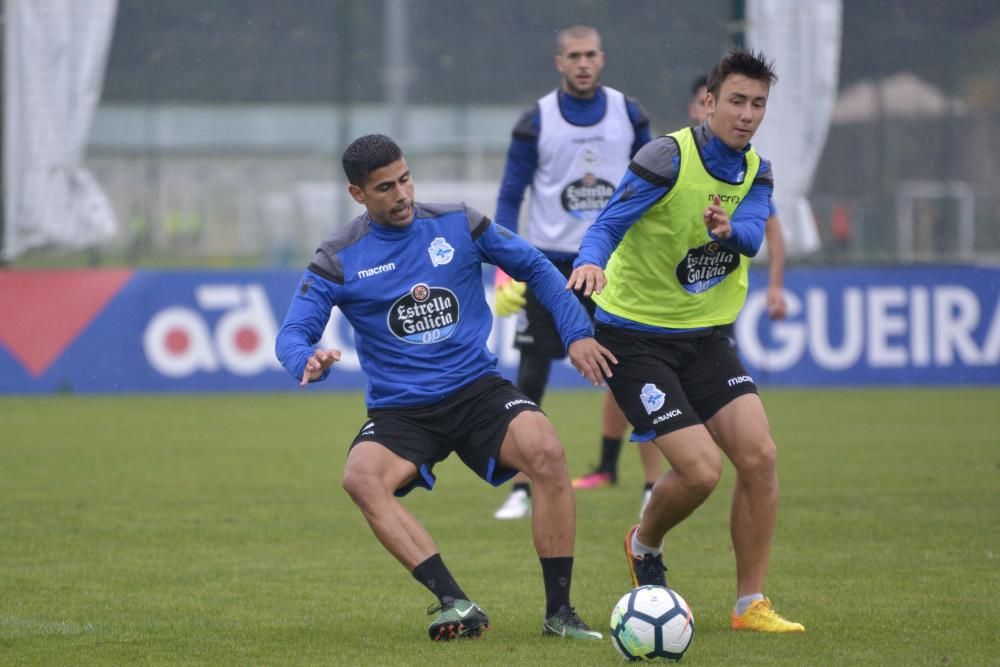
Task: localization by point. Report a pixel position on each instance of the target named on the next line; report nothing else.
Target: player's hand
(777, 306)
(717, 220)
(588, 277)
(318, 363)
(592, 359)
(508, 294)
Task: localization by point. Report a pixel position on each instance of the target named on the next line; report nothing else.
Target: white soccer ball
(652, 623)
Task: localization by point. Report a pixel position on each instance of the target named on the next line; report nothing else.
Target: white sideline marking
(12, 626)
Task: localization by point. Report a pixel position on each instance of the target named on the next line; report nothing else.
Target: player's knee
(759, 459)
(702, 476)
(545, 460)
(360, 486)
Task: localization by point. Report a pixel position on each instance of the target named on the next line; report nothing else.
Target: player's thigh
(714, 375)
(480, 422)
(394, 451)
(743, 432)
(692, 454)
(531, 442)
(372, 466)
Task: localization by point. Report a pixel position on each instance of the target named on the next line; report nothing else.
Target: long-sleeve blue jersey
(415, 299)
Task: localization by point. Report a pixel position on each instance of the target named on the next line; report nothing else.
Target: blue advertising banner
(901, 326)
(203, 331)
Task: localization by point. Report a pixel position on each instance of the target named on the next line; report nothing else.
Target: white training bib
(579, 168)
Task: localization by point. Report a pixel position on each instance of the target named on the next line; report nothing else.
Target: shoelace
(440, 606)
(568, 616)
(767, 606)
(651, 562)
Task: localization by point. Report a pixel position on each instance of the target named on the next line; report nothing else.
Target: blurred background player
(571, 147)
(777, 306)
(675, 240)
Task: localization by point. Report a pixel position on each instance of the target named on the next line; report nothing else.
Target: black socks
(610, 448)
(558, 574)
(433, 574)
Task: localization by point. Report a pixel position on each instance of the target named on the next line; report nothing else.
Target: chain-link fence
(219, 133)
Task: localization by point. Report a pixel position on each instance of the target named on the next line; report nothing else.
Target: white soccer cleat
(517, 506)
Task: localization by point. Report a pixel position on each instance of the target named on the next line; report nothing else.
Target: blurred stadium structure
(221, 122)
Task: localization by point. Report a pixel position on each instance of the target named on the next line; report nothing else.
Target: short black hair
(368, 153)
(698, 83)
(751, 64)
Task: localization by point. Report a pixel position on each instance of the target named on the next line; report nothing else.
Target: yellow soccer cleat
(760, 616)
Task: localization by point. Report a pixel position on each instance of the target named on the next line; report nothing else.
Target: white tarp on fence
(55, 53)
(804, 40)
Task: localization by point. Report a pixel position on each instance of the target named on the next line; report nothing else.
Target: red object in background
(43, 312)
(840, 224)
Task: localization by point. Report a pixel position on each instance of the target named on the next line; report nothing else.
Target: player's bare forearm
(776, 250)
(777, 305)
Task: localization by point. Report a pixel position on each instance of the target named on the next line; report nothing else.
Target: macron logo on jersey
(375, 270)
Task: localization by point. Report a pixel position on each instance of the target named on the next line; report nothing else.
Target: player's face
(387, 194)
(737, 112)
(696, 107)
(580, 62)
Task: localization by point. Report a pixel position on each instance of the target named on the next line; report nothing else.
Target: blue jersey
(415, 299)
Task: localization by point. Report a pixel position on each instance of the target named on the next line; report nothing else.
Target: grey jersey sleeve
(765, 174)
(526, 128)
(657, 162)
(325, 262)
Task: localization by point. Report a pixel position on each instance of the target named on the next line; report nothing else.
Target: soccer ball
(650, 623)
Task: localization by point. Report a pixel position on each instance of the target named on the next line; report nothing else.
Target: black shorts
(472, 422)
(664, 383)
(537, 335)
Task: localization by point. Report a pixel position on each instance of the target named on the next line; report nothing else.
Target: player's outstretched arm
(592, 359)
(777, 306)
(318, 363)
(588, 277)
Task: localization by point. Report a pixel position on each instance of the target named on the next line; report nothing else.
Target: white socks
(640, 549)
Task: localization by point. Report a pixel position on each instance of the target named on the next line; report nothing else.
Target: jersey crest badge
(652, 398)
(440, 252)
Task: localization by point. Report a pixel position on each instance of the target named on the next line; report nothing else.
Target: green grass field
(213, 530)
